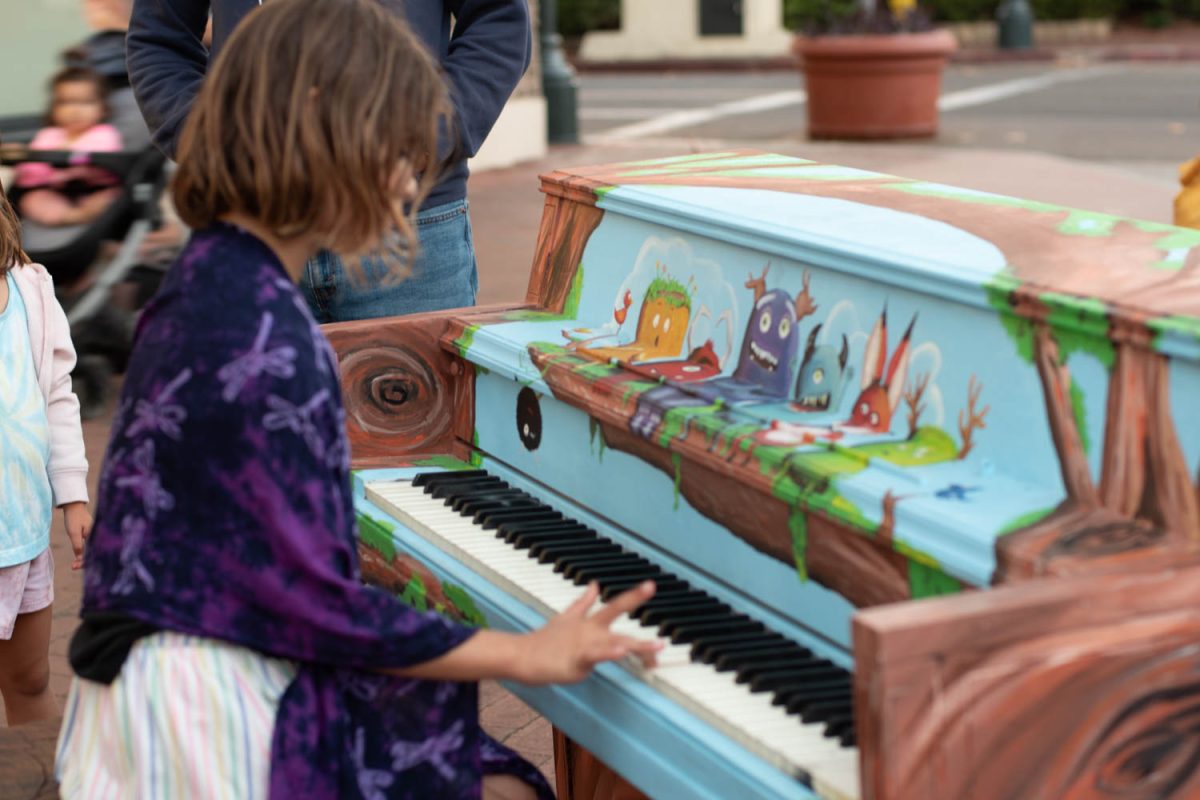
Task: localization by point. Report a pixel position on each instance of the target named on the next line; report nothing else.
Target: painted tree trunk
(566, 228)
(1056, 385)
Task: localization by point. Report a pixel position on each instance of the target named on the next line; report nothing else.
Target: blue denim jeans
(444, 275)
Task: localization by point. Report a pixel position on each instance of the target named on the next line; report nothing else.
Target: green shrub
(577, 17)
(801, 14)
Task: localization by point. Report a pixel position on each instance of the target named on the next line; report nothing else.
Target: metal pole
(1014, 25)
(558, 80)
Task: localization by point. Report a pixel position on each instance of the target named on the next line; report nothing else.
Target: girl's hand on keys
(567, 647)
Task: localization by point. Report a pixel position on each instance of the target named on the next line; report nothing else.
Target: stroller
(101, 331)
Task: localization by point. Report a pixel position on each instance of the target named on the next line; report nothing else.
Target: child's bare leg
(25, 669)
(45, 207)
(507, 787)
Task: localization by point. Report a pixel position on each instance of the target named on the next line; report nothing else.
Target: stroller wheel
(91, 381)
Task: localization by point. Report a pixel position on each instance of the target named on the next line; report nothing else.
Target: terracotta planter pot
(874, 87)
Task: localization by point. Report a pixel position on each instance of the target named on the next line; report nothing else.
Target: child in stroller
(76, 121)
(88, 286)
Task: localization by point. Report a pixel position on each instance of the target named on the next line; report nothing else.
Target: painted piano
(915, 469)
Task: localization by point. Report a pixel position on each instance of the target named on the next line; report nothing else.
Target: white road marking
(698, 116)
(992, 92)
(613, 112)
(652, 125)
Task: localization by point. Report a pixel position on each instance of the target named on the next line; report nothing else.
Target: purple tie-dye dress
(225, 511)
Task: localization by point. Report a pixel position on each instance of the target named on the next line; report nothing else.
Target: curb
(967, 55)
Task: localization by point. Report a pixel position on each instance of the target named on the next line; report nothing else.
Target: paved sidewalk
(506, 209)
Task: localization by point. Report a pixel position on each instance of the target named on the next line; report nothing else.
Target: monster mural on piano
(831, 390)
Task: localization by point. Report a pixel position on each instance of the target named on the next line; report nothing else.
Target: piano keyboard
(776, 698)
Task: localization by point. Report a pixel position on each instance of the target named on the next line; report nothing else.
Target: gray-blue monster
(823, 375)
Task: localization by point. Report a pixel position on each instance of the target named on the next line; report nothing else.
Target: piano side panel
(1101, 355)
(405, 395)
(1058, 689)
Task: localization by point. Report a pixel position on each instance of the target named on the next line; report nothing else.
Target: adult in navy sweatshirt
(484, 53)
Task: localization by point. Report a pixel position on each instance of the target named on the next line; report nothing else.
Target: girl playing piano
(226, 635)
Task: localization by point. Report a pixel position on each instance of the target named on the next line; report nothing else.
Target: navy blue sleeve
(489, 52)
(167, 62)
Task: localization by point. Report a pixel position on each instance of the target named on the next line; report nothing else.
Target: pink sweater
(96, 139)
(53, 360)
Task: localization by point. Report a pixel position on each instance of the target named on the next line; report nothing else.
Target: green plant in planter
(856, 17)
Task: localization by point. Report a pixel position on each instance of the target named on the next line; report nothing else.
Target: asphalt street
(1144, 118)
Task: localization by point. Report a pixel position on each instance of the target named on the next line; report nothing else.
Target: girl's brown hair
(11, 253)
(304, 121)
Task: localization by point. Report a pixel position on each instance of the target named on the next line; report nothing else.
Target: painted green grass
(1174, 326)
(465, 605)
(465, 340)
(377, 534)
(1025, 520)
(442, 462)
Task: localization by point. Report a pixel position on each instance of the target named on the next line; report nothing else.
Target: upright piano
(914, 468)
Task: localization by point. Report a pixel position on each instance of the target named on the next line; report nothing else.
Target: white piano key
(748, 717)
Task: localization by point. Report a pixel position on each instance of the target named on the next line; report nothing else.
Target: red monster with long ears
(881, 396)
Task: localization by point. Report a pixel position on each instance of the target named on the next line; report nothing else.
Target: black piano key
(750, 669)
(708, 648)
(770, 681)
(443, 490)
(666, 613)
(827, 710)
(535, 531)
(461, 479)
(623, 558)
(562, 533)
(815, 712)
(840, 726)
(466, 488)
(848, 739)
(551, 551)
(488, 520)
(670, 594)
(749, 657)
(692, 630)
(506, 529)
(563, 560)
(612, 589)
(469, 505)
(724, 620)
(441, 477)
(602, 573)
(796, 697)
(689, 597)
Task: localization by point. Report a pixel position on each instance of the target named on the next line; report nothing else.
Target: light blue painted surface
(861, 260)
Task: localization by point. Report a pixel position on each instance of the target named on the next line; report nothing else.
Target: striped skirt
(186, 717)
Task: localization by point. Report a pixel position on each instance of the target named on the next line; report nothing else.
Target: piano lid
(962, 244)
(897, 387)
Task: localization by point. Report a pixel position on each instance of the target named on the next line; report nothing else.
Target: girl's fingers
(581, 606)
(615, 647)
(624, 603)
(646, 650)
